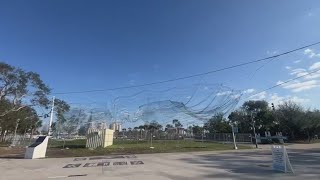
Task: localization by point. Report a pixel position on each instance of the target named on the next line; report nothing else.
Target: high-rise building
(116, 126)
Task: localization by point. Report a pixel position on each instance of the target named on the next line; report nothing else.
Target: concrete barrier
(38, 149)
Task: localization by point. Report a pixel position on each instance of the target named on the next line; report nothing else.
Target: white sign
(280, 159)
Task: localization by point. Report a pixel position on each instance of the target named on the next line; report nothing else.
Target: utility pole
(51, 116)
(254, 131)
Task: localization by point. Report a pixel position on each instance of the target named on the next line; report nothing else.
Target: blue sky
(81, 45)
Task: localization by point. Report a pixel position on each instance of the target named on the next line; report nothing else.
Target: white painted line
(56, 177)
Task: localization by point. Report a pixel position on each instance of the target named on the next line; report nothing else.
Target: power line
(285, 82)
(190, 76)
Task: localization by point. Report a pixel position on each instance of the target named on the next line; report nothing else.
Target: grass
(76, 148)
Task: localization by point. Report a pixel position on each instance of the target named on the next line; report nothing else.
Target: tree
(197, 130)
(71, 118)
(218, 124)
(253, 112)
(82, 130)
(70, 125)
(21, 88)
(24, 121)
(60, 108)
(154, 125)
(290, 116)
(311, 124)
(168, 126)
(177, 123)
(240, 119)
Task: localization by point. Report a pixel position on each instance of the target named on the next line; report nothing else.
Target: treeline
(290, 118)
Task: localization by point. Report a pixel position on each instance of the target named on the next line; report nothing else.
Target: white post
(151, 139)
(284, 159)
(51, 116)
(234, 140)
(15, 133)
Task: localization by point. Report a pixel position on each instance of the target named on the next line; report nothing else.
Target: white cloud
(299, 100)
(308, 51)
(298, 86)
(275, 98)
(248, 91)
(311, 53)
(236, 96)
(297, 71)
(259, 96)
(304, 72)
(297, 61)
(288, 67)
(188, 97)
(279, 82)
(315, 66)
(311, 80)
(315, 75)
(223, 93)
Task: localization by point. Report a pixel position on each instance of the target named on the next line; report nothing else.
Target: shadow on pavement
(257, 164)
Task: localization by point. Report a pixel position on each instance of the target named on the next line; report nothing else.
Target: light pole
(254, 130)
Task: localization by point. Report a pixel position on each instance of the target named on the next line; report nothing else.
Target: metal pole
(254, 131)
(51, 116)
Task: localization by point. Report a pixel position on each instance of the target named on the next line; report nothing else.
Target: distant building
(102, 125)
(116, 127)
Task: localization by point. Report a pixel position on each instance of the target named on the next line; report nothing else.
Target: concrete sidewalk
(244, 164)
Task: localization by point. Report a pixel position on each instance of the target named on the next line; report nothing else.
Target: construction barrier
(99, 138)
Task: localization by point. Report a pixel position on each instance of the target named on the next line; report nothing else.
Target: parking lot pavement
(244, 164)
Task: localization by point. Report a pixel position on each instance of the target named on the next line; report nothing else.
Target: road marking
(120, 163)
(72, 165)
(76, 175)
(80, 159)
(91, 165)
(56, 177)
(136, 162)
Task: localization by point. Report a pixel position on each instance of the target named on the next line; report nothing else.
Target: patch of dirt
(8, 152)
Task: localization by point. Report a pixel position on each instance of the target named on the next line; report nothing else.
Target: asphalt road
(244, 164)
